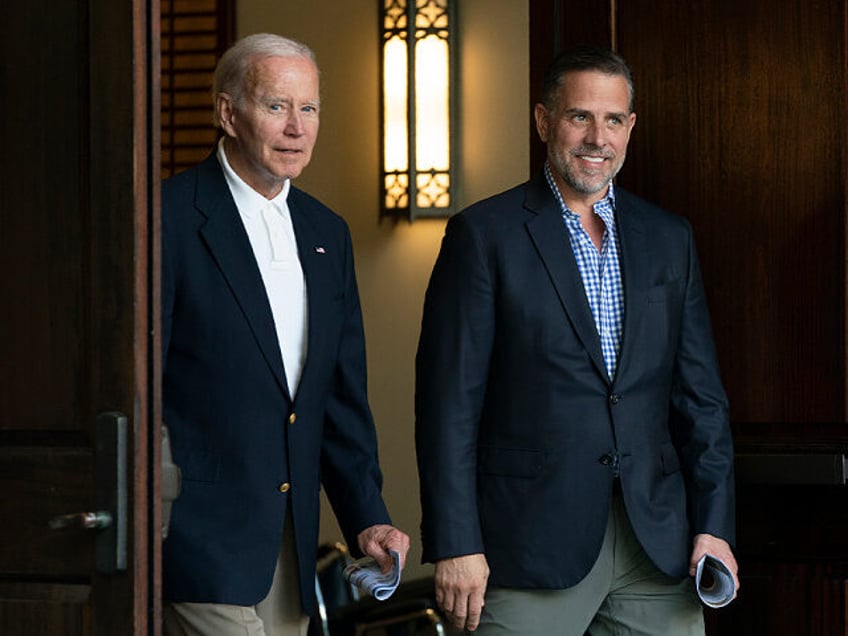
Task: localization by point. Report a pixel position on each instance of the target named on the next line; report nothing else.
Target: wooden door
(78, 350)
(742, 107)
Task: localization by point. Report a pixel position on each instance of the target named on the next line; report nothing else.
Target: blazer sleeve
(700, 420)
(451, 373)
(350, 469)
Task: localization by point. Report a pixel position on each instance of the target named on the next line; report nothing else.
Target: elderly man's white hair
(233, 67)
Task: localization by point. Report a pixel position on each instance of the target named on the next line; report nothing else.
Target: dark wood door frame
(79, 274)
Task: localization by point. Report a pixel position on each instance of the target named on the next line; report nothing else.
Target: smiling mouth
(592, 159)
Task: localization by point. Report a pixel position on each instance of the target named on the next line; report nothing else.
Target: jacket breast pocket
(666, 292)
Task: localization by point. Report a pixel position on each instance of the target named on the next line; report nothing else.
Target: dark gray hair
(234, 66)
(584, 58)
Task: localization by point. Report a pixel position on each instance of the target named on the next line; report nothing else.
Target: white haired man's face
(273, 129)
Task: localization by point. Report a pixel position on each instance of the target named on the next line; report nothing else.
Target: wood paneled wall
(736, 110)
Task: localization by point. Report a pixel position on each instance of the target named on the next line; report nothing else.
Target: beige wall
(393, 260)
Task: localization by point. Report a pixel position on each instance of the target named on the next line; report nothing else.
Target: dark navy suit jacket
(237, 434)
(518, 426)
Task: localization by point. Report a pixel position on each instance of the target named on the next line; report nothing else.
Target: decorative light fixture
(418, 108)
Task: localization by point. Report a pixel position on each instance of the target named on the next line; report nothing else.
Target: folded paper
(366, 574)
(714, 582)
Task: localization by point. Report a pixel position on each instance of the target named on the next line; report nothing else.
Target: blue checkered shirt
(600, 271)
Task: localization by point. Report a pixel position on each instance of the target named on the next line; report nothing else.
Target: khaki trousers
(623, 595)
(278, 614)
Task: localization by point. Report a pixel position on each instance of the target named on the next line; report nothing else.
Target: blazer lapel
(308, 241)
(550, 235)
(225, 236)
(635, 261)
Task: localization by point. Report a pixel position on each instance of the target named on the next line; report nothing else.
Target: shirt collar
(248, 201)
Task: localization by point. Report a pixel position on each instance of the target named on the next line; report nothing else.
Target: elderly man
(264, 387)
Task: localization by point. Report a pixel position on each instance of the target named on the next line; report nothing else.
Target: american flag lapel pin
(320, 250)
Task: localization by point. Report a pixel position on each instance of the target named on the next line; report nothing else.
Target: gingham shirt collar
(600, 271)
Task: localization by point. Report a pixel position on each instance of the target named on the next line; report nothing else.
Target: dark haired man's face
(587, 132)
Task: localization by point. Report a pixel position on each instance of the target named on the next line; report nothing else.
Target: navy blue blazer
(237, 434)
(518, 426)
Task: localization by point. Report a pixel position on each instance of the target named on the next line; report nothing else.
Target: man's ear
(225, 110)
(541, 115)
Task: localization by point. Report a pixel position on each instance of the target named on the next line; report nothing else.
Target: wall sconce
(418, 108)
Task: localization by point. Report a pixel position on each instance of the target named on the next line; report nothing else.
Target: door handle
(84, 520)
(110, 478)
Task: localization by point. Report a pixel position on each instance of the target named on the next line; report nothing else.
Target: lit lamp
(418, 107)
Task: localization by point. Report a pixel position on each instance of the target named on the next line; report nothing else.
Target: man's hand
(460, 588)
(719, 548)
(376, 541)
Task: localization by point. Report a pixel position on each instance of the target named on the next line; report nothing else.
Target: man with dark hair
(572, 429)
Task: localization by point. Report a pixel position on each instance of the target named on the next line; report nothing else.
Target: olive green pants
(623, 595)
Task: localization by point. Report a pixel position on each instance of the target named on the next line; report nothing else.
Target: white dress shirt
(269, 228)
